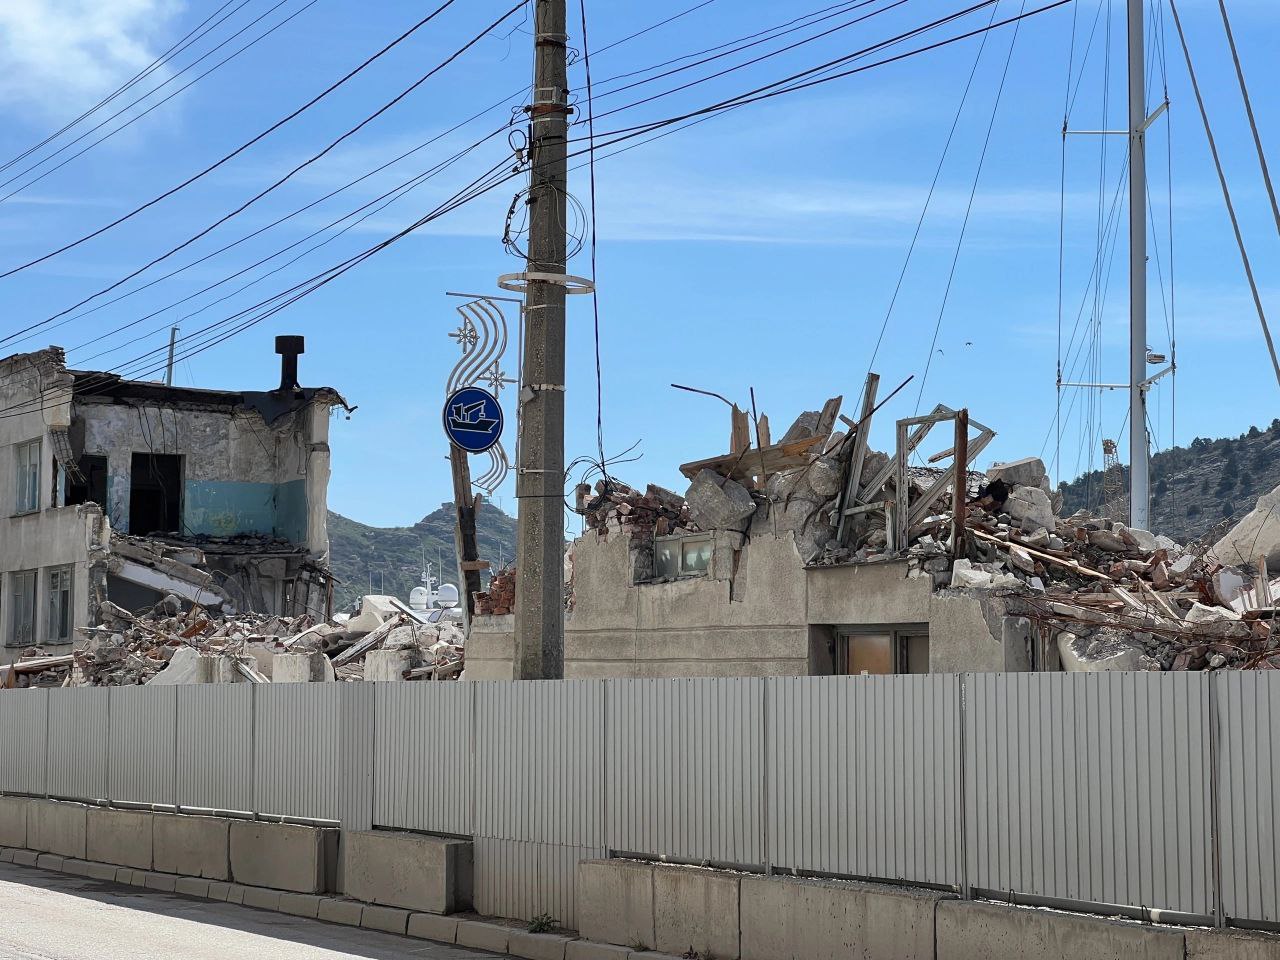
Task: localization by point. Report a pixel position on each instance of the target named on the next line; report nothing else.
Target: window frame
(16, 578)
(26, 487)
(69, 615)
(678, 542)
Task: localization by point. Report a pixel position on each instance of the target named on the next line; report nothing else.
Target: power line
(595, 289)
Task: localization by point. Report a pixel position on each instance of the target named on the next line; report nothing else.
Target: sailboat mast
(1139, 457)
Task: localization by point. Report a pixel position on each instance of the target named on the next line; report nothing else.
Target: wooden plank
(474, 565)
(735, 464)
(921, 508)
(827, 418)
(959, 504)
(902, 508)
(740, 435)
(913, 441)
(762, 432)
(1050, 558)
(851, 494)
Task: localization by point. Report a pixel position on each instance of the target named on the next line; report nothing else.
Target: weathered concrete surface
(301, 668)
(963, 637)
(389, 919)
(696, 909)
(718, 503)
(282, 856)
(192, 846)
(1257, 535)
(615, 902)
(1029, 470)
(428, 874)
(13, 821)
(57, 827)
(786, 918)
(300, 904)
(483, 936)
(537, 946)
(588, 950)
(430, 926)
(1232, 945)
(341, 911)
(992, 931)
(866, 594)
(122, 837)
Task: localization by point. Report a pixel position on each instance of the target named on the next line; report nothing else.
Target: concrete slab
(57, 827)
(137, 878)
(483, 936)
(300, 904)
(13, 821)
(390, 919)
(262, 898)
(340, 911)
(80, 868)
(427, 874)
(993, 931)
(789, 918)
(102, 871)
(218, 890)
(158, 881)
(235, 892)
(192, 887)
(124, 875)
(696, 910)
(25, 858)
(588, 950)
(192, 846)
(122, 837)
(50, 861)
(537, 946)
(6, 855)
(432, 926)
(282, 856)
(1232, 945)
(615, 902)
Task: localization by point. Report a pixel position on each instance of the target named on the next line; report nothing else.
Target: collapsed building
(125, 492)
(817, 555)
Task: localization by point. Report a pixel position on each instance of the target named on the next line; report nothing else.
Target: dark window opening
(155, 494)
(94, 488)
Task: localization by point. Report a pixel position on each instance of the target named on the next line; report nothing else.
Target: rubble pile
(500, 598)
(176, 642)
(613, 504)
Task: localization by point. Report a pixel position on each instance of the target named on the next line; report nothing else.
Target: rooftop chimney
(289, 347)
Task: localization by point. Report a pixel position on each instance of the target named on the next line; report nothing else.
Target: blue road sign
(472, 419)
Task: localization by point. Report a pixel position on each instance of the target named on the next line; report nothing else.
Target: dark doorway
(94, 488)
(155, 494)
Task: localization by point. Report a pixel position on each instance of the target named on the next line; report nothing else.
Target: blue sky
(759, 249)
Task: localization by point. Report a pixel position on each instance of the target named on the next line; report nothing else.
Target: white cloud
(62, 55)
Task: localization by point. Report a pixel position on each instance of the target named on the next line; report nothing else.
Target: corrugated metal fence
(1133, 790)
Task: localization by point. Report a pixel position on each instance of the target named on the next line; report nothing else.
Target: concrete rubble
(180, 642)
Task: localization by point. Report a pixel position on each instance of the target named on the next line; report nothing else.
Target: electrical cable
(595, 288)
(240, 149)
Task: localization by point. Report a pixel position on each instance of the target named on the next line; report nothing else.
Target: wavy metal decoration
(482, 336)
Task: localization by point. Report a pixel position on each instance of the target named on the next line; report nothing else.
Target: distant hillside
(393, 555)
(1195, 488)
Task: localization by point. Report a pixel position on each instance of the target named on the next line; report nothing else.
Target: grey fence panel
(1091, 787)
(215, 746)
(423, 740)
(357, 709)
(526, 880)
(864, 777)
(297, 733)
(685, 774)
(539, 762)
(78, 726)
(143, 747)
(24, 719)
(1248, 718)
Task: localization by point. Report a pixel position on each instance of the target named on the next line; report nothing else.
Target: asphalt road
(55, 916)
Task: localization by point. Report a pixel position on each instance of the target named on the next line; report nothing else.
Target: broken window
(27, 461)
(681, 557)
(23, 600)
(60, 620)
(155, 493)
(94, 487)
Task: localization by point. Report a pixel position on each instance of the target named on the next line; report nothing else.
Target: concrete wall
(283, 856)
(192, 846)
(407, 870)
(122, 837)
(57, 827)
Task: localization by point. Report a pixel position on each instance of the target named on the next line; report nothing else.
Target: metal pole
(1139, 462)
(168, 370)
(540, 464)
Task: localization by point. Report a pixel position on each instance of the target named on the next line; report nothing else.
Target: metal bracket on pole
(1146, 124)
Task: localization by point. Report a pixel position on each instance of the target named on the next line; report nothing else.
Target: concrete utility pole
(168, 370)
(540, 466)
(1139, 459)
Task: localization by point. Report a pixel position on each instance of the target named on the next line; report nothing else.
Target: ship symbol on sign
(472, 419)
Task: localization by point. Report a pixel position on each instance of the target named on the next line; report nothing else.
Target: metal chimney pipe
(289, 347)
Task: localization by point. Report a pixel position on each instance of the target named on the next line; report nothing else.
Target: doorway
(155, 494)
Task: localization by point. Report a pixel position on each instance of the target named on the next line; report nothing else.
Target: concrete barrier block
(25, 858)
(432, 926)
(341, 911)
(102, 871)
(50, 861)
(696, 910)
(261, 898)
(192, 846)
(387, 919)
(57, 827)
(124, 875)
(165, 882)
(79, 867)
(235, 893)
(1231, 945)
(537, 946)
(789, 918)
(218, 890)
(615, 902)
(13, 821)
(300, 904)
(427, 874)
(483, 936)
(122, 837)
(994, 931)
(587, 950)
(6, 855)
(283, 856)
(192, 887)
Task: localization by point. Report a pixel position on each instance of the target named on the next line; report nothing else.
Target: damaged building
(817, 555)
(130, 491)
